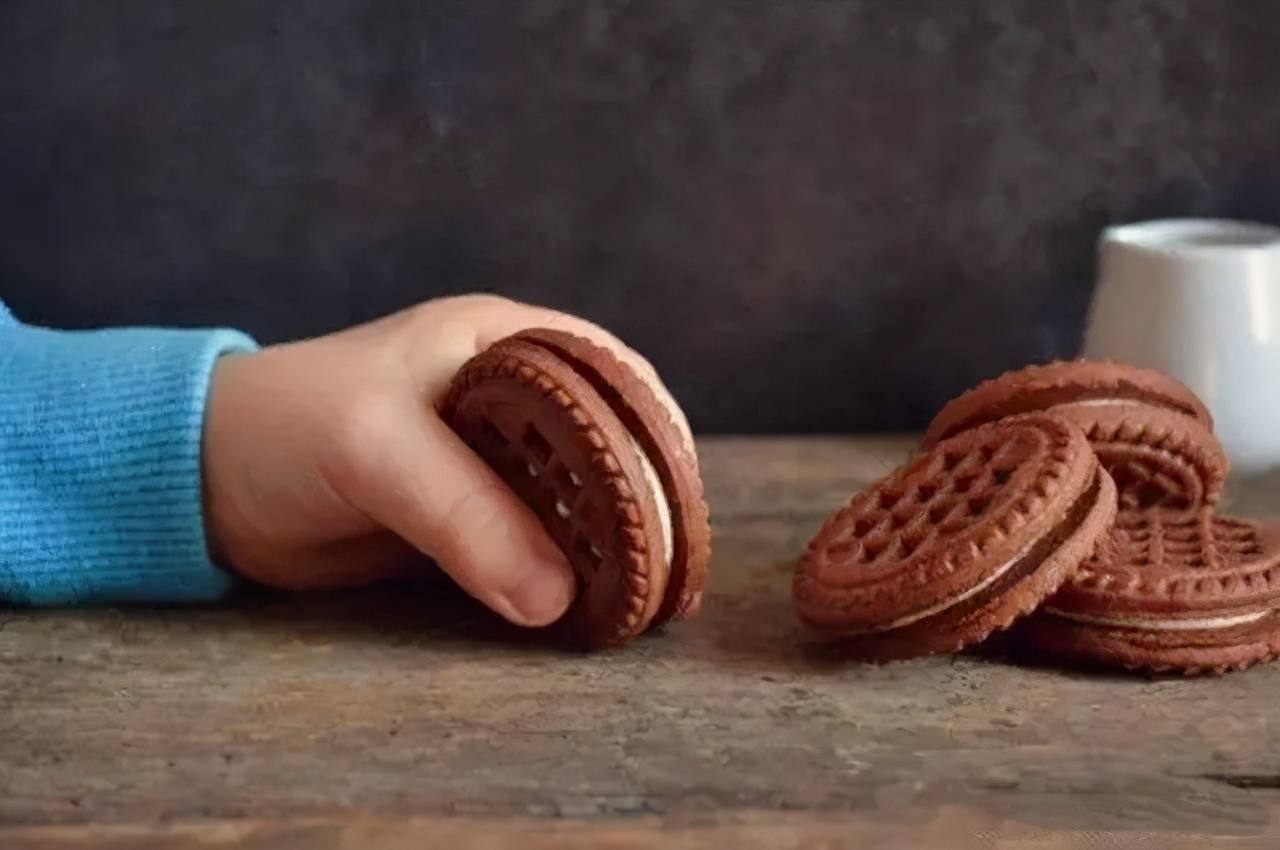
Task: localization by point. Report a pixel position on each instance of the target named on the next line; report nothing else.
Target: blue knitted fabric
(100, 464)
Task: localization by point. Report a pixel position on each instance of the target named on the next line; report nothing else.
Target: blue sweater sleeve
(100, 496)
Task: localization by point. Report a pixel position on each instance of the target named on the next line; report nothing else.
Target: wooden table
(394, 719)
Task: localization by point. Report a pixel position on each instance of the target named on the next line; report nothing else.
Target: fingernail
(544, 592)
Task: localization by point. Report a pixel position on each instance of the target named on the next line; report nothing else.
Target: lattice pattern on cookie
(1143, 484)
(1153, 463)
(1151, 557)
(518, 449)
(651, 414)
(1198, 542)
(567, 507)
(942, 495)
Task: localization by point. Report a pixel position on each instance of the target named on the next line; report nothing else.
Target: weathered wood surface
(391, 716)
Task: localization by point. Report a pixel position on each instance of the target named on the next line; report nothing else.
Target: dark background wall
(811, 215)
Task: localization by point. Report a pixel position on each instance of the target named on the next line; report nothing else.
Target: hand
(327, 466)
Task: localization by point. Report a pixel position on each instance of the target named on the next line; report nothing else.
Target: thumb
(426, 485)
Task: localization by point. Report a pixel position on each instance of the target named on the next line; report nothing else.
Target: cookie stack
(1078, 499)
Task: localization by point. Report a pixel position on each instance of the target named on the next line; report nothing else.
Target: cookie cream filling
(1183, 625)
(659, 497)
(915, 616)
(1127, 401)
(1100, 402)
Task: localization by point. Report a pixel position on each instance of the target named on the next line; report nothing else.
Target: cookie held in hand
(1162, 594)
(595, 451)
(960, 542)
(1153, 435)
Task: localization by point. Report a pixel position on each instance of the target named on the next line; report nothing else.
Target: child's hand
(326, 465)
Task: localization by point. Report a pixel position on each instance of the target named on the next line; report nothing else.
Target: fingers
(420, 480)
(423, 483)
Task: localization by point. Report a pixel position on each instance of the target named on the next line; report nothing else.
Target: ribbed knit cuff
(100, 497)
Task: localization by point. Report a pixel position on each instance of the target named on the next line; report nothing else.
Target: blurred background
(813, 215)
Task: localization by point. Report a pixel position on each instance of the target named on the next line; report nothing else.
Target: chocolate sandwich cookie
(1196, 594)
(960, 542)
(595, 451)
(1151, 433)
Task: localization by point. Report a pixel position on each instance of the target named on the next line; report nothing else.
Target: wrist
(222, 522)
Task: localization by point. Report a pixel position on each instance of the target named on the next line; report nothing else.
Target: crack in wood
(1245, 780)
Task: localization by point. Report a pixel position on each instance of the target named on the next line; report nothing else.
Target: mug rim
(1195, 235)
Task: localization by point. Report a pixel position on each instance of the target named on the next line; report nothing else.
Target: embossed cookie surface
(1195, 594)
(594, 451)
(960, 542)
(1150, 432)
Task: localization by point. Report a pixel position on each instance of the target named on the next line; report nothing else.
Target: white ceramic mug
(1199, 299)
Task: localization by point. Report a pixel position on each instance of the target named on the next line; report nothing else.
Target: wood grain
(301, 721)
(951, 828)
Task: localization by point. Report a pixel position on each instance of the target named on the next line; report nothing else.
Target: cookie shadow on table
(758, 631)
(1011, 647)
(752, 626)
(759, 635)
